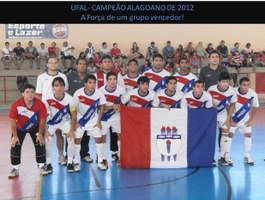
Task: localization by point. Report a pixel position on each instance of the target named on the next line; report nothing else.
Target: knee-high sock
(248, 142)
(70, 150)
(104, 151)
(228, 147)
(99, 148)
(77, 153)
(223, 144)
(48, 147)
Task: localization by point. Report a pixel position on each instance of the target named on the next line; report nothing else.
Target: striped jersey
(157, 79)
(129, 82)
(190, 101)
(185, 82)
(87, 106)
(162, 99)
(134, 99)
(112, 98)
(59, 110)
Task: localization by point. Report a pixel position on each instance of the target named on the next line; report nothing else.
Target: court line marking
(228, 183)
(38, 192)
(95, 177)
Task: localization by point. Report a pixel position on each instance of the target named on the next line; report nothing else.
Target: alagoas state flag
(162, 138)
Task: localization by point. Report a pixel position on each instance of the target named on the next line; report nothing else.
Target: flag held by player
(161, 138)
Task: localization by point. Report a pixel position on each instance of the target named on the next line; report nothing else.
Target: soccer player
(197, 98)
(242, 117)
(141, 96)
(157, 74)
(224, 98)
(169, 97)
(130, 79)
(185, 79)
(111, 115)
(76, 81)
(62, 115)
(90, 104)
(44, 89)
(106, 66)
(27, 115)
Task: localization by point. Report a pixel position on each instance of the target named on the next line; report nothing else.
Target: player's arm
(41, 131)
(100, 113)
(252, 114)
(230, 110)
(13, 127)
(73, 121)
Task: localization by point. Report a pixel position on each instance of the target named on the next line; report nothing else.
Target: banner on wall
(36, 31)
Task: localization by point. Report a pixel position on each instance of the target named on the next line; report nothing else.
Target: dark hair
(157, 55)
(168, 42)
(80, 58)
(133, 60)
(103, 43)
(213, 52)
(111, 74)
(198, 82)
(59, 80)
(28, 86)
(169, 78)
(89, 77)
(224, 76)
(152, 42)
(114, 44)
(243, 79)
(143, 79)
(183, 58)
(106, 56)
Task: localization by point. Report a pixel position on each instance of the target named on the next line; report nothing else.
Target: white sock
(228, 147)
(70, 150)
(41, 165)
(223, 144)
(48, 147)
(99, 148)
(77, 153)
(247, 146)
(104, 151)
(119, 145)
(15, 166)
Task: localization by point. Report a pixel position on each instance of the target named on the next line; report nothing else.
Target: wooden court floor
(239, 182)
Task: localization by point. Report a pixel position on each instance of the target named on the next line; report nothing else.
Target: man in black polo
(209, 74)
(76, 81)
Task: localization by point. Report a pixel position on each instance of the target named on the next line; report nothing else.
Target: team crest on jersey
(168, 143)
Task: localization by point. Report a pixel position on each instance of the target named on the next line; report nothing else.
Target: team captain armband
(72, 108)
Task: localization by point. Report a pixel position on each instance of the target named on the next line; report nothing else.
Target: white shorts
(221, 119)
(241, 128)
(64, 127)
(91, 131)
(115, 124)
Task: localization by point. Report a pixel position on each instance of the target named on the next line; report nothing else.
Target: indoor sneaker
(49, 168)
(229, 160)
(61, 160)
(43, 170)
(88, 159)
(222, 161)
(248, 160)
(115, 156)
(77, 167)
(70, 167)
(14, 172)
(101, 166)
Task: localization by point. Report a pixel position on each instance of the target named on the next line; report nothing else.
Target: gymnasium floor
(239, 182)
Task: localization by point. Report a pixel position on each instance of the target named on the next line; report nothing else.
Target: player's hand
(98, 124)
(40, 139)
(227, 124)
(47, 135)
(14, 141)
(248, 123)
(70, 135)
(232, 123)
(116, 107)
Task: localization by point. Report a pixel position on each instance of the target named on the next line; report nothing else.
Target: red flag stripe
(182, 79)
(55, 104)
(217, 95)
(138, 100)
(86, 100)
(130, 82)
(153, 77)
(193, 102)
(167, 101)
(241, 100)
(135, 150)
